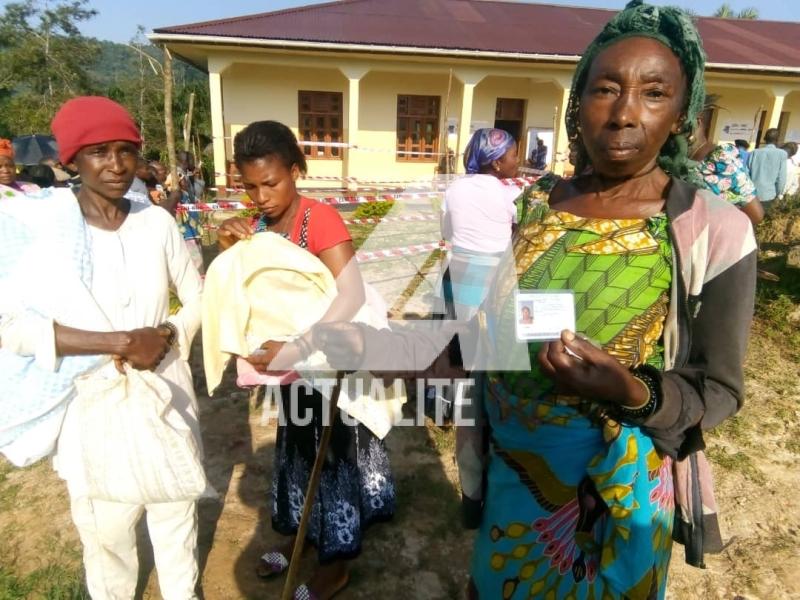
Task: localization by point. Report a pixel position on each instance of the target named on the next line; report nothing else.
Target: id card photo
(543, 315)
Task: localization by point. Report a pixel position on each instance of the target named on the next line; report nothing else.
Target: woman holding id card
(639, 293)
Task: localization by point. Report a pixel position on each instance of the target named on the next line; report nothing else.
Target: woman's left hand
(590, 372)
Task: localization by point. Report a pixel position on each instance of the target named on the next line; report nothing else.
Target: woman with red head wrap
(122, 257)
(8, 169)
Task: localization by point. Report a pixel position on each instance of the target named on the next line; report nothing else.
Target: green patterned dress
(578, 505)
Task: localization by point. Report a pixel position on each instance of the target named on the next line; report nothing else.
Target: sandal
(303, 592)
(271, 564)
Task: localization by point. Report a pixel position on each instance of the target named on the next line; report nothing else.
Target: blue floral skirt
(356, 488)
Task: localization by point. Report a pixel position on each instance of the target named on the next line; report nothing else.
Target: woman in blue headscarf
(477, 218)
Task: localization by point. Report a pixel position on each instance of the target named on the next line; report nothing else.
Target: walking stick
(311, 492)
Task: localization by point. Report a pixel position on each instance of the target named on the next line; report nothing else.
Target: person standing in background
(792, 169)
(139, 184)
(743, 146)
(8, 169)
(767, 167)
(718, 168)
(478, 215)
(538, 158)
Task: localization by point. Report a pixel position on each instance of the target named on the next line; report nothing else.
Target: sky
(117, 21)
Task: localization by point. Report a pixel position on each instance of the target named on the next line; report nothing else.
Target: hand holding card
(594, 373)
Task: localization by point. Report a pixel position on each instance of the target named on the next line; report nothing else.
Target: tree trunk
(141, 104)
(169, 125)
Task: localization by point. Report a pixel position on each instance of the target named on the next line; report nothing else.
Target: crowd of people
(772, 171)
(151, 182)
(582, 460)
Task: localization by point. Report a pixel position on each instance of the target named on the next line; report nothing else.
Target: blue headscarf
(485, 146)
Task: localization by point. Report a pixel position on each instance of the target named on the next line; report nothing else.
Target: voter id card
(541, 315)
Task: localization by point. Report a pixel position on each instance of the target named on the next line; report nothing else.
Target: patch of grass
(8, 490)
(49, 583)
(774, 305)
(373, 210)
(777, 300)
(734, 430)
(737, 462)
(443, 440)
(787, 205)
(793, 445)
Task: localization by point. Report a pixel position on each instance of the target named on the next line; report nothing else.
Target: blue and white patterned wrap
(45, 271)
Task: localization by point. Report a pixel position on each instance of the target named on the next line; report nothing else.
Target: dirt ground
(423, 553)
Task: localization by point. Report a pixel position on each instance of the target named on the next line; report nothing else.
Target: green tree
(138, 84)
(44, 61)
(727, 12)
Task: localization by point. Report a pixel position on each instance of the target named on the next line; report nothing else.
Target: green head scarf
(673, 28)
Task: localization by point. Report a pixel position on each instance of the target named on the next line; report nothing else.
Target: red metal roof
(508, 27)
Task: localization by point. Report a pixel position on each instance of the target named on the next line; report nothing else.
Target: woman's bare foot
(330, 579)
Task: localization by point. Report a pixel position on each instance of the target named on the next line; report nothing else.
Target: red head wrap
(88, 120)
(6, 148)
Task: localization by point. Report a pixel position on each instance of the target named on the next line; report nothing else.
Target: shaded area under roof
(508, 27)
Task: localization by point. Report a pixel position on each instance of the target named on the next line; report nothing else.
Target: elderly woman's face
(108, 168)
(632, 102)
(8, 170)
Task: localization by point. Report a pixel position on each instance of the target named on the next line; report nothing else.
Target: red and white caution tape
(428, 181)
(350, 198)
(373, 255)
(332, 200)
(337, 200)
(402, 219)
(520, 181)
(530, 176)
(211, 206)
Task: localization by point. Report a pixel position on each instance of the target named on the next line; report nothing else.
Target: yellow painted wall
(378, 123)
(792, 105)
(256, 92)
(738, 105)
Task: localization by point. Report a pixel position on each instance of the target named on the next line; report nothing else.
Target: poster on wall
(531, 144)
(736, 131)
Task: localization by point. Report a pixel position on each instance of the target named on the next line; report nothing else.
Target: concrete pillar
(561, 153)
(354, 75)
(774, 109)
(215, 70)
(470, 79)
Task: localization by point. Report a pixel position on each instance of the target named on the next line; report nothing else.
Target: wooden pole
(553, 143)
(447, 125)
(754, 132)
(187, 124)
(169, 125)
(311, 492)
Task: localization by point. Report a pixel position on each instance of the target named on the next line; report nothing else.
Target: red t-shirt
(326, 228)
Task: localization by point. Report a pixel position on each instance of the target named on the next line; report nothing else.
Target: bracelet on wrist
(649, 406)
(173, 332)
